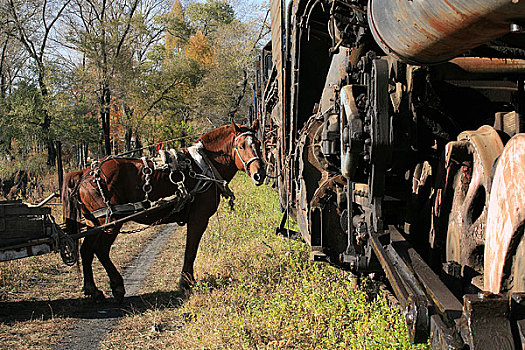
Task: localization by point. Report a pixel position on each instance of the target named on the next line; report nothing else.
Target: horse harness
(174, 162)
(250, 142)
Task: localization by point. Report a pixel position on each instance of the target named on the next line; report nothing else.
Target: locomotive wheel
(467, 187)
(518, 268)
(504, 265)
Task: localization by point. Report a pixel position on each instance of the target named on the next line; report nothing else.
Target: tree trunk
(183, 132)
(105, 100)
(51, 152)
(127, 138)
(3, 80)
(60, 169)
(237, 100)
(138, 145)
(46, 123)
(82, 154)
(3, 86)
(183, 138)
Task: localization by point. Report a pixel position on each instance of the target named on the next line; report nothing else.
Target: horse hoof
(186, 283)
(118, 293)
(94, 294)
(119, 297)
(97, 297)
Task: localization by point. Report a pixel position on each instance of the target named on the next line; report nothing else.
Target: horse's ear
(255, 125)
(235, 126)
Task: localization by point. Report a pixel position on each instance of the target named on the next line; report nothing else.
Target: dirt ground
(42, 306)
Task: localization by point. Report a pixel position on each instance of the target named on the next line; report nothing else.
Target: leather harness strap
(204, 180)
(209, 173)
(121, 209)
(253, 159)
(208, 176)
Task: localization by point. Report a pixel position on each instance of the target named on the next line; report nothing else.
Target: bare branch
(30, 47)
(44, 14)
(48, 29)
(128, 26)
(161, 97)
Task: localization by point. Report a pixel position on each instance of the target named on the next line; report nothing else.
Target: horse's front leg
(196, 227)
(102, 250)
(87, 252)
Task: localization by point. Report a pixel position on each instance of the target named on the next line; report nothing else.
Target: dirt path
(95, 321)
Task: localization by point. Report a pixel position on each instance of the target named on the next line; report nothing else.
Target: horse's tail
(70, 208)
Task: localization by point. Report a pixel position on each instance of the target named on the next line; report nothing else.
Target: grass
(256, 290)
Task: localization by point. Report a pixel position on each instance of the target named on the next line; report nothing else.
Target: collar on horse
(246, 164)
(209, 173)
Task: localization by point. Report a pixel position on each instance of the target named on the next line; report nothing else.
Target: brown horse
(120, 182)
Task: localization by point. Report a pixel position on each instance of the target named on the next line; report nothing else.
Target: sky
(244, 8)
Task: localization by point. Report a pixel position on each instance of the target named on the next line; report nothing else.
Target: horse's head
(246, 151)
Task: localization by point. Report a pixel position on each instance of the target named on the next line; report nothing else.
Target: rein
(246, 164)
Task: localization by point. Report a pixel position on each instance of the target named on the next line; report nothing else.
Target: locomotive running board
(431, 309)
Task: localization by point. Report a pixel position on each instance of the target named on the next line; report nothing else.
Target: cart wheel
(68, 250)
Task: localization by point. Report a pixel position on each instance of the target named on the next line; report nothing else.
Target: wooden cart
(29, 230)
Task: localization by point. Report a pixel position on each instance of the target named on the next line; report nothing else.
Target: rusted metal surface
(433, 31)
(336, 74)
(486, 65)
(508, 122)
(517, 319)
(395, 280)
(445, 301)
(506, 218)
(469, 162)
(328, 99)
(310, 172)
(443, 337)
(484, 323)
(406, 287)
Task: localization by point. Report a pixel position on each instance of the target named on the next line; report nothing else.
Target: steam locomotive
(394, 134)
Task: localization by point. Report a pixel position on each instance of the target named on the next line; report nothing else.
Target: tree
(231, 44)
(33, 22)
(98, 72)
(208, 17)
(102, 32)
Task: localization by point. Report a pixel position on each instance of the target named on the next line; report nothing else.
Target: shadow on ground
(11, 312)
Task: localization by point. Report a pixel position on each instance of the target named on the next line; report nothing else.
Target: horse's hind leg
(102, 250)
(87, 251)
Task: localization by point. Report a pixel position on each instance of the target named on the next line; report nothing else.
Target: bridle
(245, 164)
